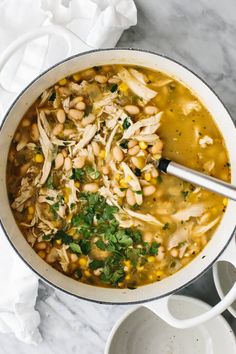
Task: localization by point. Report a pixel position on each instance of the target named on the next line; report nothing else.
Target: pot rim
(5, 232)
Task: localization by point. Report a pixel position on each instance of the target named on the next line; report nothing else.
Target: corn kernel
(147, 176)
(138, 162)
(127, 277)
(151, 259)
(120, 200)
(117, 177)
(87, 273)
(127, 263)
(123, 183)
(77, 184)
(140, 268)
(71, 232)
(38, 158)
(66, 193)
(225, 201)
(42, 254)
(82, 262)
(157, 156)
(102, 154)
(153, 181)
(123, 87)
(76, 77)
(62, 82)
(31, 209)
(29, 217)
(150, 277)
(143, 145)
(58, 242)
(159, 273)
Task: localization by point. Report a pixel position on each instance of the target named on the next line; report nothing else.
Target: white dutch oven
(215, 249)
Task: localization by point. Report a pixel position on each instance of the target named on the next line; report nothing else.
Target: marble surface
(201, 35)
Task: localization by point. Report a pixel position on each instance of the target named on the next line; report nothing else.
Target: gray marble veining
(200, 34)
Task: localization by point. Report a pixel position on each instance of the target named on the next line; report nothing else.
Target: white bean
(79, 162)
(76, 100)
(132, 109)
(118, 154)
(88, 120)
(96, 148)
(101, 79)
(59, 161)
(154, 172)
(61, 116)
(90, 187)
(67, 163)
(57, 129)
(75, 114)
(148, 190)
(157, 147)
(52, 255)
(80, 106)
(147, 237)
(114, 80)
(34, 132)
(25, 123)
(132, 143)
(134, 150)
(174, 252)
(130, 197)
(150, 110)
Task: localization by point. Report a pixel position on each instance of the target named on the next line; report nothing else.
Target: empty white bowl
(140, 331)
(224, 274)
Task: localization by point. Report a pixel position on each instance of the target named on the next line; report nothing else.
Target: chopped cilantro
(166, 226)
(137, 172)
(75, 247)
(52, 96)
(92, 173)
(49, 183)
(96, 264)
(78, 273)
(185, 194)
(47, 237)
(78, 174)
(126, 124)
(113, 87)
(63, 236)
(100, 244)
(153, 250)
(138, 192)
(124, 144)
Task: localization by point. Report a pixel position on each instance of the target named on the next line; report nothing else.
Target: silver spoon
(198, 178)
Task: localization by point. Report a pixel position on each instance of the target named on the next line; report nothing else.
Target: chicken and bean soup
(83, 184)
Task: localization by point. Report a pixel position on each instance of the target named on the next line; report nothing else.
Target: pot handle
(161, 309)
(74, 45)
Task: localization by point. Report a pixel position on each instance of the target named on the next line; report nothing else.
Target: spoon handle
(198, 178)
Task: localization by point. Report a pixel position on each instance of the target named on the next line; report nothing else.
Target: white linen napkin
(99, 23)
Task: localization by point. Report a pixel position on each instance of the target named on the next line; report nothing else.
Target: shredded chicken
(143, 217)
(153, 120)
(136, 86)
(88, 134)
(205, 140)
(193, 210)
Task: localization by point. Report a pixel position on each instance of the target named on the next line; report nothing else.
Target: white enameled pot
(220, 247)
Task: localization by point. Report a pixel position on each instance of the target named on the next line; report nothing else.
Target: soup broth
(83, 183)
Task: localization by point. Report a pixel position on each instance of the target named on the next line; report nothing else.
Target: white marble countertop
(201, 35)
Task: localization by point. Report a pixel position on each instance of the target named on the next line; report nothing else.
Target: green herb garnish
(126, 124)
(75, 247)
(166, 226)
(113, 87)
